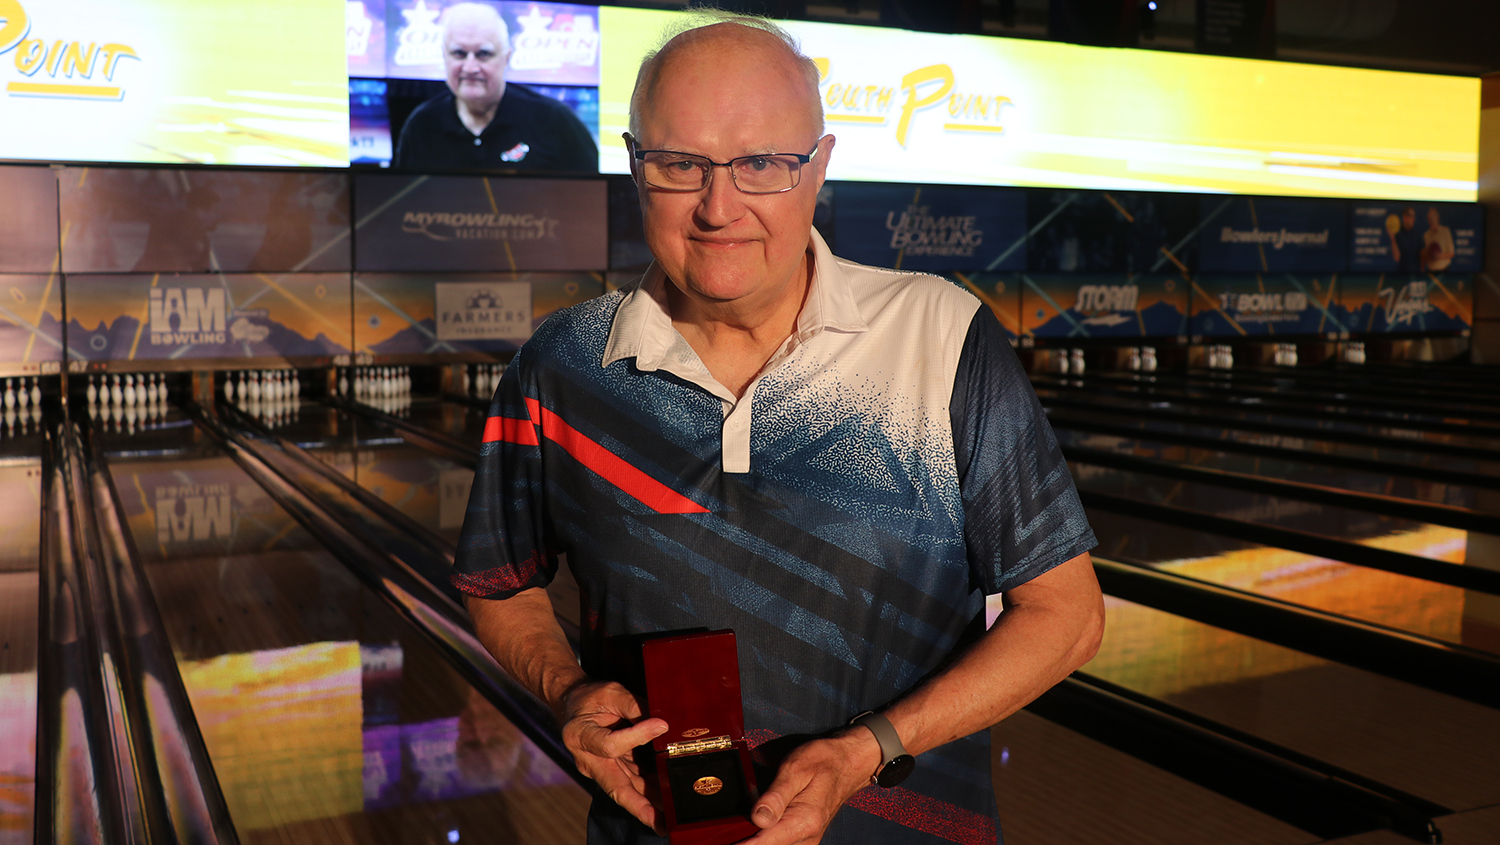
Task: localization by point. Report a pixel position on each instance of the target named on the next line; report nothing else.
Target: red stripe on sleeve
(507, 430)
(611, 467)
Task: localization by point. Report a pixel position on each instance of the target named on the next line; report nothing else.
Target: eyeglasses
(767, 173)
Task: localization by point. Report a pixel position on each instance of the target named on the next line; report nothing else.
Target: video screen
(477, 85)
(917, 107)
(238, 82)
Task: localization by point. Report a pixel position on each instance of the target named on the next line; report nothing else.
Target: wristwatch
(895, 764)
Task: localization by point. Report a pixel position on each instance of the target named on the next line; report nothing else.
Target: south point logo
(462, 226)
(919, 232)
(181, 316)
(56, 69)
(922, 90)
(483, 309)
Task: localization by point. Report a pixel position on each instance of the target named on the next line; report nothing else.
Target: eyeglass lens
(767, 174)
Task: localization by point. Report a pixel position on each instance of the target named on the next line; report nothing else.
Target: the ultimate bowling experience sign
(935, 229)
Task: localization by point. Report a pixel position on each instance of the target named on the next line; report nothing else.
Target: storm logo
(1104, 302)
(181, 316)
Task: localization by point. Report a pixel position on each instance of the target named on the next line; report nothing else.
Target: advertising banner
(964, 109)
(1080, 306)
(195, 221)
(931, 228)
(483, 310)
(31, 328)
(1399, 237)
(1267, 234)
(1110, 231)
(223, 317)
(459, 315)
(551, 43)
(1000, 293)
(28, 220)
(1265, 305)
(1404, 303)
(476, 223)
(226, 82)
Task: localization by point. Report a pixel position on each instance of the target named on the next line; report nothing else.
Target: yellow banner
(958, 109)
(221, 82)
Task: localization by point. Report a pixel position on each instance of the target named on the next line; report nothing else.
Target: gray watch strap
(885, 734)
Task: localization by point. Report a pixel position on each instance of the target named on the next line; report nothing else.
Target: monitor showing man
(483, 122)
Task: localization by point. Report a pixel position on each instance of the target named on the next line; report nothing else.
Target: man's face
(724, 101)
(1432, 218)
(473, 54)
(1408, 218)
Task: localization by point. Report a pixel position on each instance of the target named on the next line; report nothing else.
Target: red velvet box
(703, 786)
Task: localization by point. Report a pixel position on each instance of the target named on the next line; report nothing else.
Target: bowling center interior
(250, 342)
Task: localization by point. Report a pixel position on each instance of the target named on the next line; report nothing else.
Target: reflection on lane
(20, 524)
(325, 714)
(1435, 746)
(1376, 530)
(1372, 595)
(1278, 469)
(1314, 446)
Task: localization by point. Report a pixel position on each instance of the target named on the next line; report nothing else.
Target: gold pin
(708, 785)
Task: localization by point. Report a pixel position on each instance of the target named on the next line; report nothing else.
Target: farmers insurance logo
(463, 226)
(931, 90)
(483, 310)
(54, 67)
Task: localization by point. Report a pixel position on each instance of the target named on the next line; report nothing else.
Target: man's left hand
(812, 784)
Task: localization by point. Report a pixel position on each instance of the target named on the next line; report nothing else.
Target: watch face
(896, 770)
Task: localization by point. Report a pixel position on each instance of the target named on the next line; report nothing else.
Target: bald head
(741, 49)
(476, 20)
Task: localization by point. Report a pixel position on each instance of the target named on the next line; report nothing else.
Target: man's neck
(736, 339)
(475, 121)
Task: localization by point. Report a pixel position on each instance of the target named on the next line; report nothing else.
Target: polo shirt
(528, 132)
(846, 516)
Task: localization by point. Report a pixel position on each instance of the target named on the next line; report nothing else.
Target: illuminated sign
(951, 109)
(227, 82)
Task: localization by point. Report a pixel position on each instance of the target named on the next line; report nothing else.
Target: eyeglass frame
(640, 155)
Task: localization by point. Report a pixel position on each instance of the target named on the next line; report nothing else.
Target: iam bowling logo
(58, 67)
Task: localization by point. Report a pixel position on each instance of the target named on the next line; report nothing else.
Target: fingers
(601, 741)
(772, 805)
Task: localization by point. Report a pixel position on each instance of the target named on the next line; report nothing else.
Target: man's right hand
(599, 726)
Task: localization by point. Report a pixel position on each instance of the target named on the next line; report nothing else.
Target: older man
(483, 122)
(838, 462)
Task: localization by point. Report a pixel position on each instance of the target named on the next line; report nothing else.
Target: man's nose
(722, 202)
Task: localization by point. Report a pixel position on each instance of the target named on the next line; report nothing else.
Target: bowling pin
(115, 394)
(92, 393)
(10, 394)
(296, 385)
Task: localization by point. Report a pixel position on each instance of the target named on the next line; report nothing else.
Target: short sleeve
(505, 544)
(1021, 512)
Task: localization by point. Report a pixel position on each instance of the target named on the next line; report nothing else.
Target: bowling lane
(1370, 595)
(1376, 530)
(20, 521)
(1281, 469)
(327, 716)
(1432, 745)
(1313, 445)
(1165, 406)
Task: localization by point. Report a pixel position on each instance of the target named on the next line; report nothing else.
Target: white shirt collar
(643, 330)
